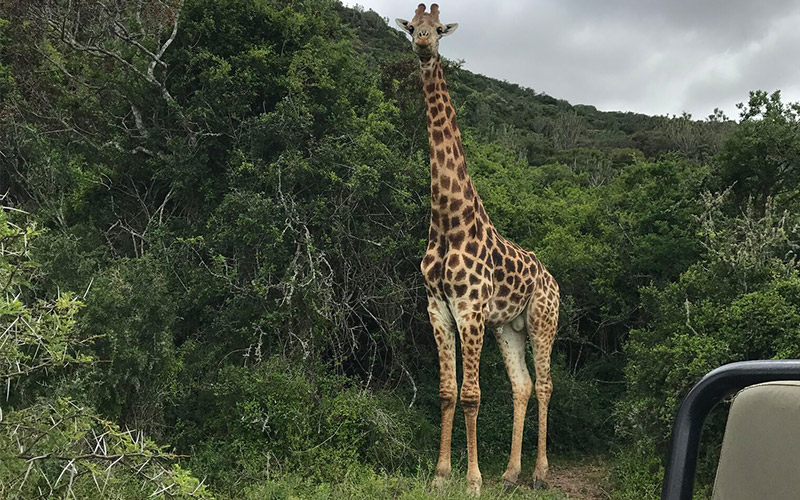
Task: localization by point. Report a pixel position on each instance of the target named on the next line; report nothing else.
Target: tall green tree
(761, 157)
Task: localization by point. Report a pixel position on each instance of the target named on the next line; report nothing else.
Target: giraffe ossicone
(476, 279)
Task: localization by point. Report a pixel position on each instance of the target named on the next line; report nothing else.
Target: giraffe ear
(403, 24)
(449, 29)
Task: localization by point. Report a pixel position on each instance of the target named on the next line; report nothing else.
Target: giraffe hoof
(539, 484)
(438, 482)
(509, 485)
(474, 489)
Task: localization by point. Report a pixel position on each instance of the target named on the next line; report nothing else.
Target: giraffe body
(476, 279)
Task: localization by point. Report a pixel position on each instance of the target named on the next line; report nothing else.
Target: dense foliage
(213, 215)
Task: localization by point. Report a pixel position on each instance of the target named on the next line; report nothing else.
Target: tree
(51, 445)
(761, 157)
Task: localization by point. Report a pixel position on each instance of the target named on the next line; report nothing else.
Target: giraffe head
(426, 30)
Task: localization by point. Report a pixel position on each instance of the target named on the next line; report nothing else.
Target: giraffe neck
(451, 186)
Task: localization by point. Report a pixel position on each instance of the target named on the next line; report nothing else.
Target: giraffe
(477, 279)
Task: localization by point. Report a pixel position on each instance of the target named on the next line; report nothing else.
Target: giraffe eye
(439, 30)
(410, 29)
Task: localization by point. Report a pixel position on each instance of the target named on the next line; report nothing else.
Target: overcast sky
(648, 56)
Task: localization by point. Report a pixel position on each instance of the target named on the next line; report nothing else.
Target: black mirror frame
(685, 439)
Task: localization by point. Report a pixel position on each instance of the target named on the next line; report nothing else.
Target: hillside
(213, 216)
(539, 125)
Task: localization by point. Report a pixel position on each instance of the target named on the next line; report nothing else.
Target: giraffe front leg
(470, 328)
(444, 333)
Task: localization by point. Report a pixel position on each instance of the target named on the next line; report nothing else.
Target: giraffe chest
(490, 275)
(461, 273)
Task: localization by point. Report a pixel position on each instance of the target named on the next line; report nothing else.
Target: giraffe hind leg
(511, 339)
(542, 325)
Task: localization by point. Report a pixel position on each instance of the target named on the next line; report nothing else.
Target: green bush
(276, 418)
(51, 445)
(696, 326)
